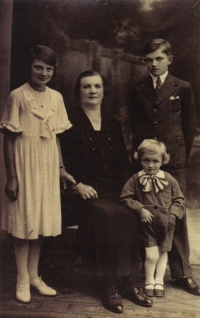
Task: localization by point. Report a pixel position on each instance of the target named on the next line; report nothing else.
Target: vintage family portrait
(100, 158)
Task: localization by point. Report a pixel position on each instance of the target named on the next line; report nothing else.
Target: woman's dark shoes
(138, 297)
(149, 291)
(159, 292)
(113, 301)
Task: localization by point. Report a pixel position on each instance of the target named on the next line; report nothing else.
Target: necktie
(151, 180)
(158, 86)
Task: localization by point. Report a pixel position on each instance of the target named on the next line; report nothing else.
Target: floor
(84, 301)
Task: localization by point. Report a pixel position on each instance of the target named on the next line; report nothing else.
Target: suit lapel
(147, 89)
(168, 88)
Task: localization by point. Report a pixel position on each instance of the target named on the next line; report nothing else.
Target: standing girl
(32, 118)
(156, 197)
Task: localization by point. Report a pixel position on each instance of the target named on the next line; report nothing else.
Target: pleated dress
(36, 118)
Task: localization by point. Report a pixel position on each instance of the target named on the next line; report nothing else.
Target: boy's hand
(146, 216)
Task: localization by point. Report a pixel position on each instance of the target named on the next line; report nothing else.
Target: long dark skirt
(107, 237)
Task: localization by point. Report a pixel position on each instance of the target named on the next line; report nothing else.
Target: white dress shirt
(162, 78)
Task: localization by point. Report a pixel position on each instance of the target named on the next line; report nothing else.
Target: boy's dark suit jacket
(171, 117)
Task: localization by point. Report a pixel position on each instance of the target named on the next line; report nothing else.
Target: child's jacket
(163, 204)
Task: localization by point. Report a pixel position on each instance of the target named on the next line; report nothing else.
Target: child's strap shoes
(149, 290)
(159, 291)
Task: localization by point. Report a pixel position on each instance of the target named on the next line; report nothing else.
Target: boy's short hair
(155, 44)
(152, 146)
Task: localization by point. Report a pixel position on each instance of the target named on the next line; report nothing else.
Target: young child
(32, 118)
(156, 196)
(162, 108)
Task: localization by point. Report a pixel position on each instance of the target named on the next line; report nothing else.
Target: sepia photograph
(100, 158)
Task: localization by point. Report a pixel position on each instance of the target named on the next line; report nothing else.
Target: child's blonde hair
(152, 146)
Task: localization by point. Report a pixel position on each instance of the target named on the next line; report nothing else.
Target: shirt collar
(159, 174)
(162, 78)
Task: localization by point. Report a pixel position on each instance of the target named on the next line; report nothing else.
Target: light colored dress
(36, 118)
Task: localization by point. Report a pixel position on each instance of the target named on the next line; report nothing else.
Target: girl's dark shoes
(113, 301)
(159, 292)
(150, 290)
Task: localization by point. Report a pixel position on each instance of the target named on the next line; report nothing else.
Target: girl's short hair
(44, 54)
(156, 44)
(152, 146)
(87, 74)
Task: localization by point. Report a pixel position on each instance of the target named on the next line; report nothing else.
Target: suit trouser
(179, 255)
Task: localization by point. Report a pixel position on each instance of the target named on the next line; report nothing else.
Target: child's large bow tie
(148, 180)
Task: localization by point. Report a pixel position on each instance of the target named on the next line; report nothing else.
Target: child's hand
(11, 188)
(146, 216)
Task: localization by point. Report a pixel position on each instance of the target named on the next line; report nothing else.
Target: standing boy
(162, 107)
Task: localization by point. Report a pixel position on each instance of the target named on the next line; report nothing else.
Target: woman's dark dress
(108, 232)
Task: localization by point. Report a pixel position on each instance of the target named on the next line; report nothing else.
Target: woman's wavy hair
(152, 146)
(44, 54)
(87, 74)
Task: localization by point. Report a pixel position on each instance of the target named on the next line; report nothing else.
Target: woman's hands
(11, 188)
(65, 178)
(146, 216)
(86, 191)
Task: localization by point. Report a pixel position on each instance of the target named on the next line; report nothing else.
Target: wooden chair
(69, 223)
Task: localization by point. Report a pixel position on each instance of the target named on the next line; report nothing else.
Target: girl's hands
(146, 216)
(65, 178)
(11, 188)
(86, 191)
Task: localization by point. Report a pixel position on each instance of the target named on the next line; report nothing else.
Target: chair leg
(67, 273)
(43, 252)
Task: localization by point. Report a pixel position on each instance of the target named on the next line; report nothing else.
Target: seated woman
(94, 152)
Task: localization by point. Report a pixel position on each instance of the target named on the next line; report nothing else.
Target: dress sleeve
(62, 121)
(10, 119)
(135, 109)
(125, 168)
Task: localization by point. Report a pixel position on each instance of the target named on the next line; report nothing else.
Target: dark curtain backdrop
(115, 24)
